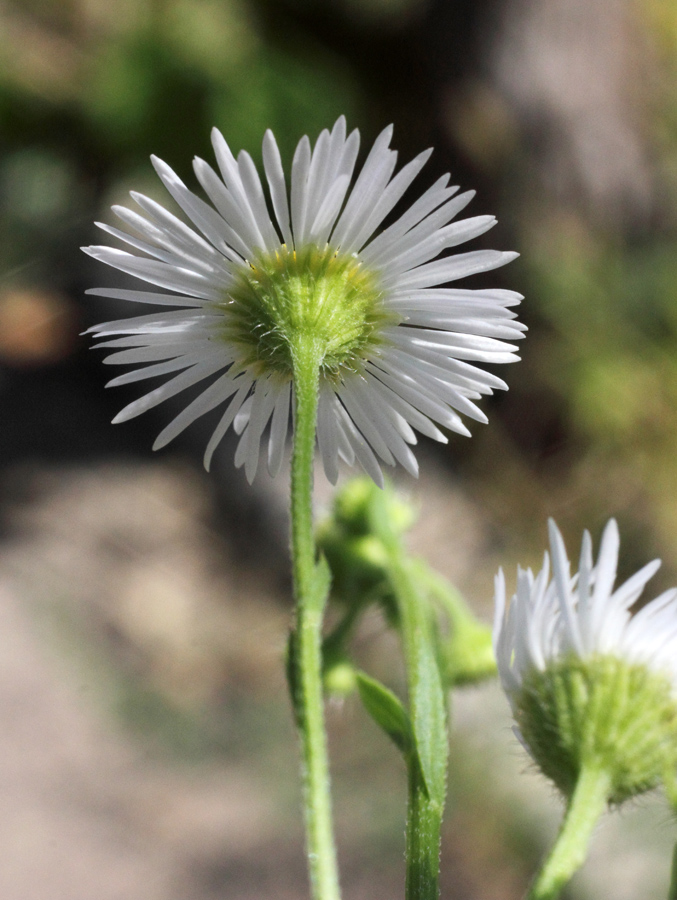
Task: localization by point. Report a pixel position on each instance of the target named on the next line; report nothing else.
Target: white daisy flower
(400, 351)
(590, 682)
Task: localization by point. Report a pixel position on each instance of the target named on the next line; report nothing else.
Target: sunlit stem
(586, 805)
(307, 656)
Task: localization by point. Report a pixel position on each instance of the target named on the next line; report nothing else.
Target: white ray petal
(171, 252)
(238, 227)
(253, 191)
(158, 273)
(442, 239)
(327, 437)
(434, 208)
(450, 268)
(210, 223)
(278, 428)
(362, 201)
(174, 228)
(163, 368)
(406, 410)
(360, 447)
(246, 200)
(186, 379)
(553, 619)
(390, 196)
(376, 171)
(299, 188)
(560, 565)
(216, 394)
(350, 399)
(272, 164)
(227, 418)
(420, 398)
(146, 297)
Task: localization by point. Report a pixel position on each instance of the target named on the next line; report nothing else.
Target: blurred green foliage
(88, 89)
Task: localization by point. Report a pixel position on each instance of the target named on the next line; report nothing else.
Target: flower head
(590, 683)
(257, 269)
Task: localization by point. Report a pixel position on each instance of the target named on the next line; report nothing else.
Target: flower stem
(586, 805)
(427, 765)
(424, 821)
(307, 639)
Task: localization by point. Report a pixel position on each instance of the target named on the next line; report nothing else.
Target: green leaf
(387, 711)
(429, 713)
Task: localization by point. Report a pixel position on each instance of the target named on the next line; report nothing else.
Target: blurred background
(146, 748)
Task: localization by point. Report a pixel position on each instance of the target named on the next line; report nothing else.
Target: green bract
(603, 714)
(311, 293)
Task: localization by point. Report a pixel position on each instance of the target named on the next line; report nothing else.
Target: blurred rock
(577, 74)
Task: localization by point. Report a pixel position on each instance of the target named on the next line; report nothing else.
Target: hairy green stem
(586, 805)
(307, 638)
(427, 765)
(424, 821)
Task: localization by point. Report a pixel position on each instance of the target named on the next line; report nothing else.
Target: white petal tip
(552, 526)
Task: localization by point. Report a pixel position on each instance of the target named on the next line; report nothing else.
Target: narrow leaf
(429, 715)
(387, 711)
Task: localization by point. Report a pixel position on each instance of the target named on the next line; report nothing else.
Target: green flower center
(602, 713)
(279, 298)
